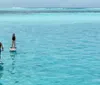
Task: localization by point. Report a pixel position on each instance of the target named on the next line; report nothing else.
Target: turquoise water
(52, 49)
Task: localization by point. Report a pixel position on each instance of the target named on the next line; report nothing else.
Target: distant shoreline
(19, 10)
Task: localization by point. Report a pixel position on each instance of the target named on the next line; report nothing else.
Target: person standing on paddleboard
(13, 41)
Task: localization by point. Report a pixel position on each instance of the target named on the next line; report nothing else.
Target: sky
(49, 3)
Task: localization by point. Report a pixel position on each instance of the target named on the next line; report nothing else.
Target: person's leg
(14, 44)
(0, 53)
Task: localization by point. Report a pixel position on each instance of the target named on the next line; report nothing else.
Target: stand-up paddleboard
(12, 49)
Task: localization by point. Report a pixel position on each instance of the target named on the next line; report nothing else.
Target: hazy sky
(49, 3)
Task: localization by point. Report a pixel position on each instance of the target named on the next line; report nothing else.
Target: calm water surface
(52, 49)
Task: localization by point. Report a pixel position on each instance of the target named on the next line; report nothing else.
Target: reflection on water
(1, 69)
(12, 71)
(13, 55)
(1, 84)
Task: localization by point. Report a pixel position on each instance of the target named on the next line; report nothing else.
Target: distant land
(15, 10)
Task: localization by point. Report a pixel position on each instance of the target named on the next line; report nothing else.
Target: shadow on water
(13, 55)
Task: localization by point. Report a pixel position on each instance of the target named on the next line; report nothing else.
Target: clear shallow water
(52, 49)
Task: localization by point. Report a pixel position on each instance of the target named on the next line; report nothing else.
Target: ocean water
(52, 48)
